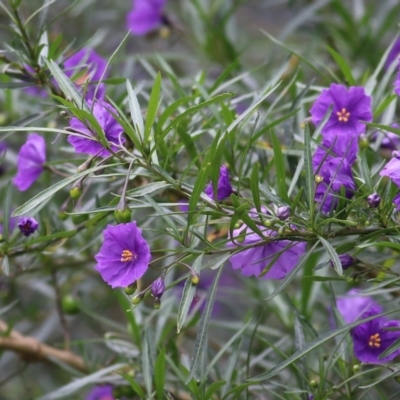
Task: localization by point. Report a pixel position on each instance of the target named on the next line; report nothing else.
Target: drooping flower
(393, 54)
(372, 338)
(103, 392)
(350, 106)
(158, 287)
(102, 111)
(374, 200)
(280, 256)
(86, 66)
(124, 256)
(146, 16)
(28, 225)
(31, 158)
(392, 168)
(353, 305)
(224, 188)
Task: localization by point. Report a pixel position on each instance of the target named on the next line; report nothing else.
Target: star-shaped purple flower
(283, 255)
(28, 225)
(102, 111)
(103, 392)
(31, 158)
(146, 16)
(224, 188)
(392, 168)
(124, 256)
(350, 106)
(372, 338)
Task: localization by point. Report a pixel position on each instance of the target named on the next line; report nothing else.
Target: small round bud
(346, 260)
(364, 142)
(75, 192)
(373, 200)
(129, 290)
(318, 178)
(350, 279)
(158, 288)
(157, 303)
(356, 367)
(64, 114)
(195, 278)
(123, 216)
(268, 222)
(70, 304)
(368, 222)
(137, 299)
(1, 238)
(62, 215)
(313, 383)
(164, 32)
(303, 125)
(283, 213)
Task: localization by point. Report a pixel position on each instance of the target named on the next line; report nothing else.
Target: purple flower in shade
(224, 188)
(104, 392)
(11, 225)
(87, 65)
(350, 106)
(183, 206)
(374, 200)
(283, 213)
(352, 306)
(372, 338)
(396, 201)
(31, 158)
(283, 255)
(28, 225)
(390, 140)
(146, 16)
(394, 54)
(346, 260)
(392, 168)
(397, 82)
(158, 287)
(102, 111)
(124, 256)
(335, 173)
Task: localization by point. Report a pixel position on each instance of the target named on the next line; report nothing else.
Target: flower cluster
(371, 338)
(338, 150)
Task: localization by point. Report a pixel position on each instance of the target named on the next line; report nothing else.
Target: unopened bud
(62, 215)
(129, 290)
(195, 278)
(1, 238)
(158, 288)
(283, 213)
(76, 190)
(364, 142)
(374, 200)
(123, 215)
(356, 367)
(350, 279)
(318, 178)
(346, 260)
(157, 303)
(313, 383)
(85, 165)
(268, 222)
(70, 304)
(64, 114)
(137, 299)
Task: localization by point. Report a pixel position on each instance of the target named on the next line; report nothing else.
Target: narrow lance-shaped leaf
(136, 113)
(332, 255)
(152, 107)
(7, 211)
(279, 167)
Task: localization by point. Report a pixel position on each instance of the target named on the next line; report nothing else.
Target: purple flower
(28, 225)
(346, 260)
(374, 200)
(283, 213)
(124, 256)
(392, 168)
(390, 140)
(350, 106)
(104, 392)
(394, 54)
(31, 158)
(158, 287)
(183, 206)
(102, 111)
(11, 225)
(146, 16)
(90, 67)
(352, 306)
(397, 82)
(396, 201)
(283, 255)
(224, 188)
(372, 338)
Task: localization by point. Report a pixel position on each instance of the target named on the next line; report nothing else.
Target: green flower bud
(350, 279)
(76, 190)
(313, 383)
(268, 222)
(356, 367)
(129, 290)
(195, 278)
(62, 215)
(1, 237)
(364, 142)
(318, 178)
(123, 215)
(137, 300)
(70, 304)
(157, 303)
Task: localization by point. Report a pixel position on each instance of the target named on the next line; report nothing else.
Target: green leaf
(389, 245)
(159, 374)
(309, 171)
(212, 389)
(152, 107)
(136, 113)
(36, 201)
(280, 168)
(148, 189)
(189, 145)
(365, 171)
(254, 186)
(332, 255)
(314, 345)
(7, 211)
(231, 366)
(148, 360)
(200, 344)
(344, 67)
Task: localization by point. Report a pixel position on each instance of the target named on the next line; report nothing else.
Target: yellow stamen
(343, 115)
(374, 341)
(127, 256)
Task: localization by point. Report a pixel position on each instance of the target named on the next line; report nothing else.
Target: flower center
(343, 115)
(374, 341)
(127, 255)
